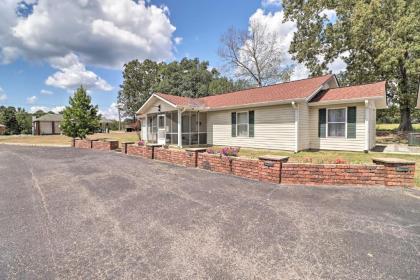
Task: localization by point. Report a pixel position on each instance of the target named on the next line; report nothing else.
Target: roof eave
(379, 104)
(259, 104)
(154, 95)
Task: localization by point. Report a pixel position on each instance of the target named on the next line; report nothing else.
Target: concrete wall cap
(196, 149)
(273, 158)
(393, 160)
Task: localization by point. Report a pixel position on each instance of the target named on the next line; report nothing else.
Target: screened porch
(162, 128)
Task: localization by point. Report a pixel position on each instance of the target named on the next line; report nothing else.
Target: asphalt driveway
(68, 213)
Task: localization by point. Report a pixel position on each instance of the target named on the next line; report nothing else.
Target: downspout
(367, 126)
(296, 108)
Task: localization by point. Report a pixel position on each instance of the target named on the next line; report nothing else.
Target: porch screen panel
(202, 125)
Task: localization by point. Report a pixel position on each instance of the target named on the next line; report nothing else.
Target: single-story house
(2, 129)
(47, 124)
(313, 113)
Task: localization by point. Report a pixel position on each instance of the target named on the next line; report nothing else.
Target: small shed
(48, 124)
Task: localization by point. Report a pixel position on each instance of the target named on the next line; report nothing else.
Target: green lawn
(64, 140)
(394, 126)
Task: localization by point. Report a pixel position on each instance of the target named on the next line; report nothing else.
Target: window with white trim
(336, 122)
(242, 124)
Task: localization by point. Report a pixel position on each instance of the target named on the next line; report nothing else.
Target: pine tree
(80, 118)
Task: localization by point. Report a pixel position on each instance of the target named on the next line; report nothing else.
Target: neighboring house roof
(2, 125)
(313, 90)
(352, 92)
(50, 118)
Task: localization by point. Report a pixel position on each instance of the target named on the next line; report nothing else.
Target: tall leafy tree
(378, 39)
(24, 121)
(140, 80)
(80, 118)
(188, 77)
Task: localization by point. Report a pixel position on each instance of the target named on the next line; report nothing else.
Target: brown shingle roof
(279, 92)
(352, 92)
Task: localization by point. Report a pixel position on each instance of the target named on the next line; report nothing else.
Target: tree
(223, 85)
(188, 77)
(8, 118)
(80, 118)
(24, 121)
(378, 39)
(140, 80)
(254, 55)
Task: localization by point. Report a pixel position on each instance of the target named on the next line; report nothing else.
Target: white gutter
(341, 101)
(260, 104)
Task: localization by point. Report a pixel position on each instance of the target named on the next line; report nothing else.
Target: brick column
(125, 144)
(195, 151)
(269, 168)
(397, 172)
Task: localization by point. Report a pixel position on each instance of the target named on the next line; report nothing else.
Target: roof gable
(358, 92)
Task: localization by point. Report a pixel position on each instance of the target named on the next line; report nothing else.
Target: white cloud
(31, 100)
(56, 109)
(111, 112)
(104, 33)
(72, 73)
(3, 95)
(178, 40)
(331, 15)
(46, 92)
(276, 3)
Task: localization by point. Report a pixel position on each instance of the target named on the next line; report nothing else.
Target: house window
(242, 125)
(336, 122)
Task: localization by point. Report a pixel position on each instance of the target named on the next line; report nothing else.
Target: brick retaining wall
(332, 174)
(386, 172)
(179, 157)
(143, 151)
(105, 145)
(82, 144)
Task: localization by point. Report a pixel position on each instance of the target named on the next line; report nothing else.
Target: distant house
(313, 113)
(2, 129)
(48, 124)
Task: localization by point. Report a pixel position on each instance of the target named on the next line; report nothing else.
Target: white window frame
(247, 123)
(345, 123)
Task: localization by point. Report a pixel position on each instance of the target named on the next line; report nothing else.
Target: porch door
(161, 130)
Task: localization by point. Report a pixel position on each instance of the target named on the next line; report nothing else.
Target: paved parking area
(68, 213)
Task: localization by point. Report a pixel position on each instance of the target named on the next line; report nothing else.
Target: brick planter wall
(247, 168)
(179, 157)
(214, 162)
(331, 174)
(105, 145)
(397, 172)
(82, 144)
(143, 151)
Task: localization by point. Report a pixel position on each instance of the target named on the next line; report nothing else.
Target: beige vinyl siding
(304, 138)
(274, 128)
(164, 107)
(335, 143)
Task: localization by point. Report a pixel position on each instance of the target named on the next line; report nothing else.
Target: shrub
(211, 151)
(230, 151)
(140, 143)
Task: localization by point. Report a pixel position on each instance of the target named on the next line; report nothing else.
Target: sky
(49, 47)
